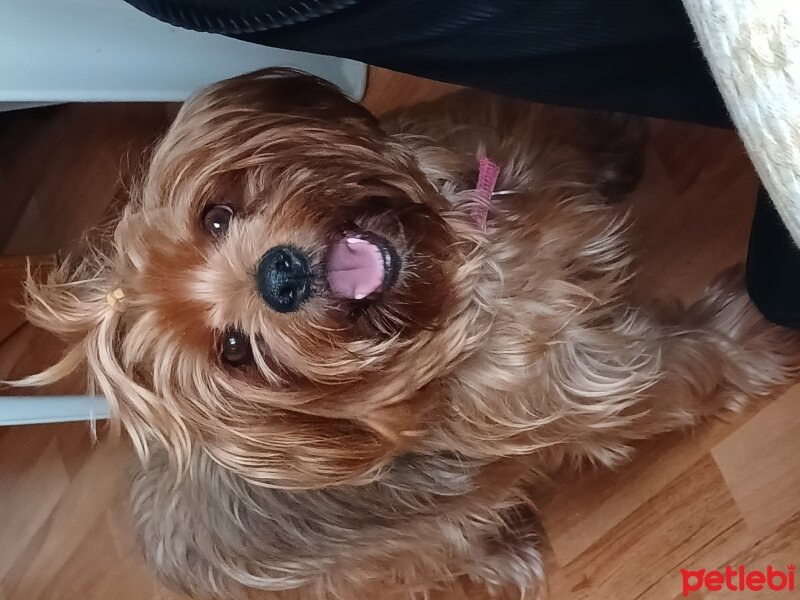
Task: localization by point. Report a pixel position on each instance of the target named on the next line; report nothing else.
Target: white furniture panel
(96, 50)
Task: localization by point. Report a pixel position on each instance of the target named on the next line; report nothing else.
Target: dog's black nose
(284, 278)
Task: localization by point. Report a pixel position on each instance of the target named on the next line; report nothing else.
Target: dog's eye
(234, 347)
(217, 218)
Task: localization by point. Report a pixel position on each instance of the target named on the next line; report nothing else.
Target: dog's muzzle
(284, 279)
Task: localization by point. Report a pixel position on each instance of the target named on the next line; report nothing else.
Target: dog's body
(392, 437)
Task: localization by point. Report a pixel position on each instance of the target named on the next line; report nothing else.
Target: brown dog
(335, 375)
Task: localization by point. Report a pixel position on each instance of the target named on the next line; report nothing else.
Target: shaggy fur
(394, 439)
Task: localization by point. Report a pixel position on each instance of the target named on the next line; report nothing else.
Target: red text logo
(738, 579)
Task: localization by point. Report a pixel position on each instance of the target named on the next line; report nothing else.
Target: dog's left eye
(217, 218)
(234, 348)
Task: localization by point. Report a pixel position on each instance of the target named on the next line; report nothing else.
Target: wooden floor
(728, 493)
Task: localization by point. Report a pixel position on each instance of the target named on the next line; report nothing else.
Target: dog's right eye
(234, 348)
(217, 218)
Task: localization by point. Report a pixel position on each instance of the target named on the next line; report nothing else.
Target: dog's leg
(641, 376)
(615, 146)
(758, 357)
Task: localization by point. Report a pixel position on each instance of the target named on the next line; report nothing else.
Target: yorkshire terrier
(346, 349)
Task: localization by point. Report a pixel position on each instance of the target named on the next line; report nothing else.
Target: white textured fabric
(753, 48)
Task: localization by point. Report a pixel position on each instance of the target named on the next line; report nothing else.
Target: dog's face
(291, 288)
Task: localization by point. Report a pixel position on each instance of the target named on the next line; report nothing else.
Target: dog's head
(287, 289)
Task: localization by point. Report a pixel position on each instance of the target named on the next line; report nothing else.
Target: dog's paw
(511, 560)
(518, 567)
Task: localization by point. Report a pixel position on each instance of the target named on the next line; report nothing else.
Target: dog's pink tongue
(355, 268)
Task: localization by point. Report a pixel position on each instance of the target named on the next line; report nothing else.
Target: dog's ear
(280, 91)
(64, 299)
(69, 300)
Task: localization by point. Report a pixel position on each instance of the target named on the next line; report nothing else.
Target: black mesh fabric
(773, 266)
(238, 17)
(638, 56)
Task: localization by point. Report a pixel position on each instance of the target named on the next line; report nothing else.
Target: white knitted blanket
(753, 48)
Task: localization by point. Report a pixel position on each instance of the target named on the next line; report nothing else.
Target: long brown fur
(394, 440)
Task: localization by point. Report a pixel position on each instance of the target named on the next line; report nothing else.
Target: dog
(346, 349)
